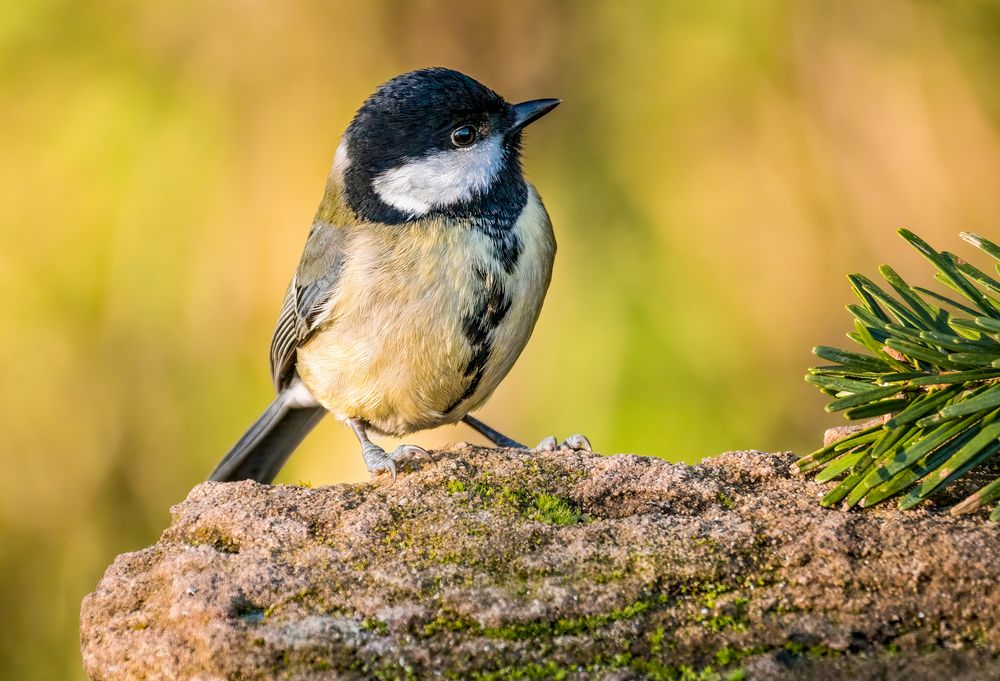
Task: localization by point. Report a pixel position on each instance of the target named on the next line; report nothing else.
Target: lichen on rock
(501, 564)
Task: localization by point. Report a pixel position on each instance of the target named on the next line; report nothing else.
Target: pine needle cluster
(932, 371)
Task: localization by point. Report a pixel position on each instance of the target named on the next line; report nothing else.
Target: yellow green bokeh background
(714, 171)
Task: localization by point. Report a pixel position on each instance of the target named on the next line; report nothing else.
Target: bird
(421, 279)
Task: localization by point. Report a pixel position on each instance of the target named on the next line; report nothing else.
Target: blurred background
(715, 170)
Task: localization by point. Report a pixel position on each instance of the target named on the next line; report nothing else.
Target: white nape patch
(299, 397)
(442, 178)
(341, 160)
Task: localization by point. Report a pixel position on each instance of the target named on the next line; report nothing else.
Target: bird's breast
(427, 317)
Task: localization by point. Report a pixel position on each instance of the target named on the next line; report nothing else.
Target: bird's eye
(463, 136)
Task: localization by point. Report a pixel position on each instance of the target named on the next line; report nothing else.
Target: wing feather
(307, 296)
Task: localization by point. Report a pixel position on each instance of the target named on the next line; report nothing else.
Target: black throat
(492, 212)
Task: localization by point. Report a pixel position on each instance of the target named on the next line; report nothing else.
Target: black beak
(528, 112)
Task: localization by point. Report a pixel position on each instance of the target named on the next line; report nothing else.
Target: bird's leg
(376, 458)
(549, 444)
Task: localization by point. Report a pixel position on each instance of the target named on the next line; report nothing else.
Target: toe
(547, 445)
(577, 442)
(385, 464)
(406, 450)
(373, 456)
(377, 460)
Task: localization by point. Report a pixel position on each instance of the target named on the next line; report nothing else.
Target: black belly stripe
(492, 305)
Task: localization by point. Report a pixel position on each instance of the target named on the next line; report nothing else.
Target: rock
(497, 564)
(837, 433)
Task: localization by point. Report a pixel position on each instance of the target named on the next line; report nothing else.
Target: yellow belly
(392, 349)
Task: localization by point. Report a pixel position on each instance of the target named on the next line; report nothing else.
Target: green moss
(544, 506)
(781, 609)
(651, 669)
(707, 542)
(647, 665)
(579, 625)
(375, 625)
(398, 535)
(656, 641)
(723, 622)
(726, 656)
(816, 652)
(726, 501)
(448, 621)
(302, 596)
(709, 592)
(654, 669)
(750, 582)
(284, 661)
(212, 536)
(609, 576)
(795, 648)
(732, 618)
(799, 649)
(513, 497)
(555, 510)
(532, 670)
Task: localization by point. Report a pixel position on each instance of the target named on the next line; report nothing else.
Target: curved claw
(407, 450)
(386, 465)
(377, 459)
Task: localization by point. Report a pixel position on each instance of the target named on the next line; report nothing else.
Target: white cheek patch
(441, 179)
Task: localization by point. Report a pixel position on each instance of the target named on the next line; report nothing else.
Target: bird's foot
(377, 459)
(574, 443)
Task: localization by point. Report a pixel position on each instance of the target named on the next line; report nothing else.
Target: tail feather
(268, 443)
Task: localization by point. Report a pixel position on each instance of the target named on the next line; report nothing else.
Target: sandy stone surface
(497, 564)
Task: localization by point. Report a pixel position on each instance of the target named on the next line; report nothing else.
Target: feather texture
(392, 344)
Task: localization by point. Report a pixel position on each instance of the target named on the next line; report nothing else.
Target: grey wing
(307, 295)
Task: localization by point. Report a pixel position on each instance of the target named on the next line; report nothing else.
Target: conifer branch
(931, 366)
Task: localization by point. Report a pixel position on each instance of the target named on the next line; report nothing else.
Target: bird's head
(433, 141)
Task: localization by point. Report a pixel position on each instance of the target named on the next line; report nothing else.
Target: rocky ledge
(496, 564)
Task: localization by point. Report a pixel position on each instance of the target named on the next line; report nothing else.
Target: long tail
(272, 438)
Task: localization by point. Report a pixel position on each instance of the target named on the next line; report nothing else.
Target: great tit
(421, 279)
